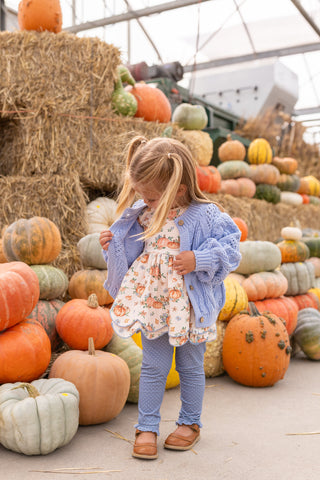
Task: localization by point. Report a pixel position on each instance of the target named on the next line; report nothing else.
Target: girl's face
(151, 196)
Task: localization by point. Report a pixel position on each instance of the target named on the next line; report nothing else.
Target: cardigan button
(201, 320)
(181, 222)
(191, 287)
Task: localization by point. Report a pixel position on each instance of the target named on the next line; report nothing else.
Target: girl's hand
(105, 239)
(185, 262)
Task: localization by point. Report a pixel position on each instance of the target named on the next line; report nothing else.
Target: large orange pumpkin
(102, 379)
(19, 293)
(35, 241)
(256, 348)
(284, 307)
(40, 15)
(79, 319)
(25, 352)
(209, 178)
(153, 105)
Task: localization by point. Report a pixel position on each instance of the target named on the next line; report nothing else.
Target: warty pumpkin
(231, 149)
(38, 417)
(45, 312)
(40, 15)
(19, 293)
(259, 151)
(101, 378)
(153, 104)
(25, 352)
(79, 319)
(35, 241)
(256, 348)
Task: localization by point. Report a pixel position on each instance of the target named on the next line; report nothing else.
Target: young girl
(167, 256)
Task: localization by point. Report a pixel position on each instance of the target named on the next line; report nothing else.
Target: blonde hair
(164, 163)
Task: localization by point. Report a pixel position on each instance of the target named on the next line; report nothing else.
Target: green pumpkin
(269, 193)
(288, 183)
(190, 117)
(307, 332)
(314, 200)
(258, 256)
(38, 417)
(300, 276)
(91, 252)
(234, 169)
(128, 350)
(313, 243)
(53, 281)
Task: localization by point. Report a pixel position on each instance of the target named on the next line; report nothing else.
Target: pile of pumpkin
(281, 281)
(262, 176)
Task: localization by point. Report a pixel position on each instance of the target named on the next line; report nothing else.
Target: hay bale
(266, 220)
(57, 145)
(47, 71)
(200, 144)
(59, 198)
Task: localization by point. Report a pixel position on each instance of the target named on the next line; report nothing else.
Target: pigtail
(127, 193)
(168, 196)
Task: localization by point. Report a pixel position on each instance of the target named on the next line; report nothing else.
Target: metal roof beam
(132, 15)
(281, 52)
(306, 16)
(306, 111)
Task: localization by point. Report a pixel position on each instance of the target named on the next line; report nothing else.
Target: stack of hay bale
(60, 140)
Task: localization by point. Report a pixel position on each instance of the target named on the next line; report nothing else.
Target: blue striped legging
(156, 363)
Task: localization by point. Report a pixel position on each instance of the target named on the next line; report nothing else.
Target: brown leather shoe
(148, 451)
(179, 442)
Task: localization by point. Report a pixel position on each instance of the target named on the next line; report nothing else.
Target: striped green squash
(307, 332)
(53, 281)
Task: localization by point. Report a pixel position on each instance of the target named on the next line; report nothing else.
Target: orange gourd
(286, 165)
(79, 319)
(153, 105)
(25, 352)
(19, 293)
(35, 241)
(231, 150)
(102, 380)
(40, 15)
(284, 307)
(293, 251)
(238, 187)
(243, 227)
(256, 349)
(263, 285)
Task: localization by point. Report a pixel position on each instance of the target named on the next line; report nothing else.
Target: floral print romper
(153, 296)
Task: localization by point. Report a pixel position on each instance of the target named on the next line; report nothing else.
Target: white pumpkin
(291, 233)
(101, 214)
(291, 198)
(91, 252)
(38, 417)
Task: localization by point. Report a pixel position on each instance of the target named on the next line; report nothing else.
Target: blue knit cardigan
(210, 234)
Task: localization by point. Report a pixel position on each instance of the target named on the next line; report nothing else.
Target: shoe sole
(175, 447)
(145, 457)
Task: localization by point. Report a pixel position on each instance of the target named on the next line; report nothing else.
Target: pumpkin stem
(91, 349)
(253, 310)
(93, 301)
(32, 391)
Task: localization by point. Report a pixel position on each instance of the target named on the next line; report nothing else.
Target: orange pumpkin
(256, 349)
(286, 165)
(19, 293)
(306, 300)
(231, 150)
(293, 251)
(238, 187)
(85, 282)
(209, 178)
(284, 307)
(45, 312)
(153, 105)
(263, 285)
(40, 15)
(25, 352)
(35, 241)
(79, 319)
(243, 227)
(102, 379)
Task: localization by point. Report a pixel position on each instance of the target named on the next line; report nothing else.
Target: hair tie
(143, 142)
(169, 156)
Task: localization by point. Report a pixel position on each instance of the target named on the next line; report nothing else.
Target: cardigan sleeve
(219, 254)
